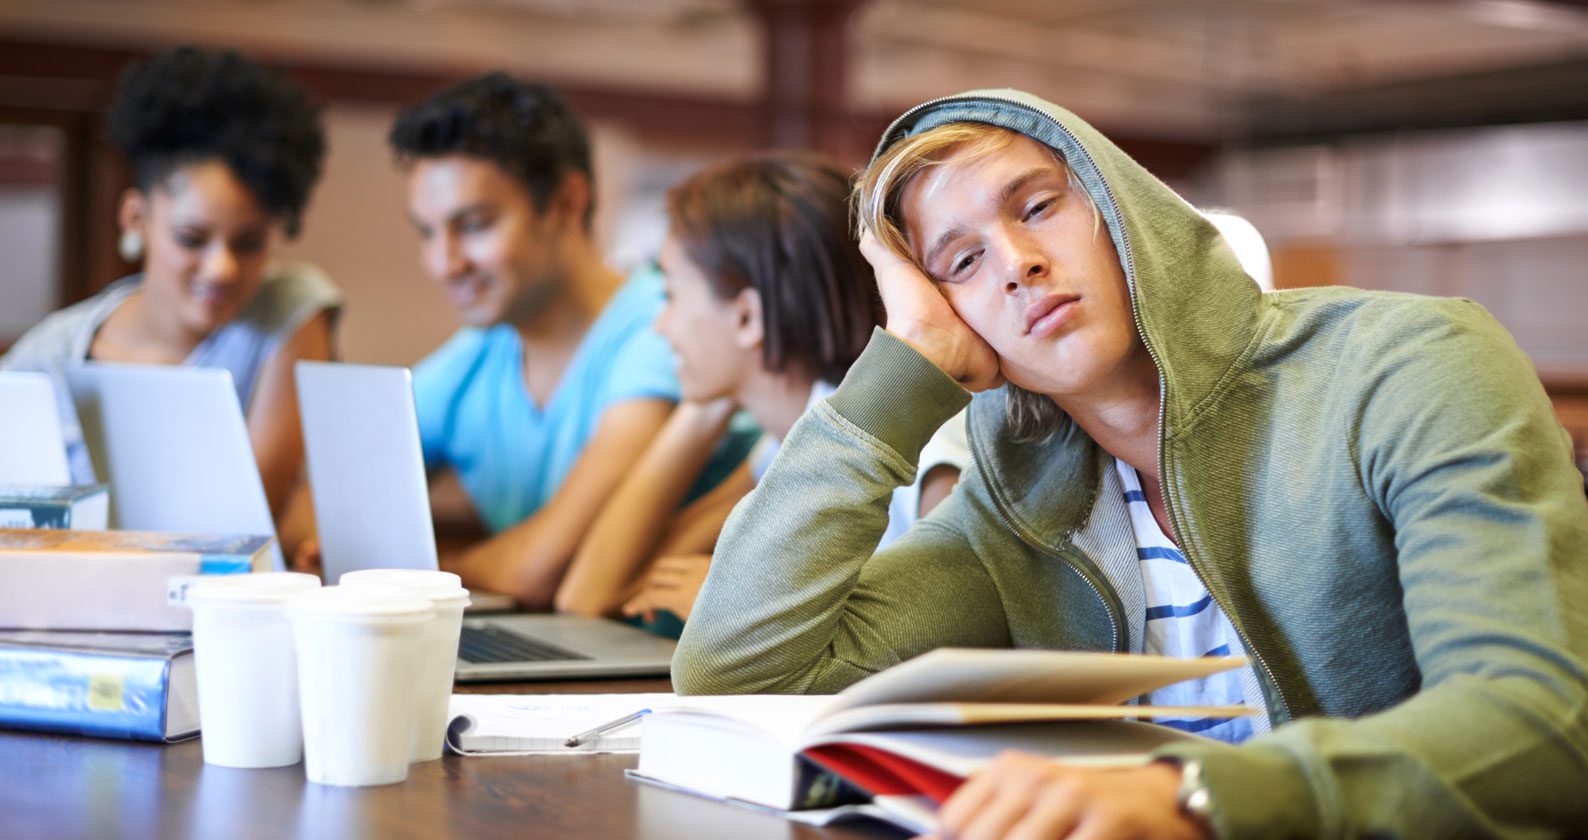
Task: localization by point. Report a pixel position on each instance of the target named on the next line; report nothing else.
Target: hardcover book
(112, 580)
(908, 736)
(81, 507)
(138, 686)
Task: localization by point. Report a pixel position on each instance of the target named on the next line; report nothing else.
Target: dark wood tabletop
(63, 787)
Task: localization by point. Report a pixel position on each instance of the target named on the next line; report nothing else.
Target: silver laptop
(372, 504)
(171, 442)
(32, 446)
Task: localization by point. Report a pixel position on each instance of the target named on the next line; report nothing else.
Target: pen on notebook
(606, 728)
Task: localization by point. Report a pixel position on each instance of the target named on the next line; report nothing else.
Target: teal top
(476, 415)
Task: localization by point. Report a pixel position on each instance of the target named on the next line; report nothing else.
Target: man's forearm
(527, 561)
(523, 562)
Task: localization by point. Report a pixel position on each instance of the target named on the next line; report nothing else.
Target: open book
(905, 738)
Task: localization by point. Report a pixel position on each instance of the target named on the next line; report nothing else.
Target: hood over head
(1196, 309)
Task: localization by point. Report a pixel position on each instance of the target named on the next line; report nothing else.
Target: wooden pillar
(804, 101)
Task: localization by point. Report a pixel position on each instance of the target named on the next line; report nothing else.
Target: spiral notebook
(538, 724)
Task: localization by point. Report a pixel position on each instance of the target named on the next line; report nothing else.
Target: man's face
(1017, 253)
(498, 257)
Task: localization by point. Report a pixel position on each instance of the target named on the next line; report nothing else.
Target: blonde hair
(879, 198)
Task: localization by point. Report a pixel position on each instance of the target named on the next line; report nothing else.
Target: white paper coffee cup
(359, 650)
(247, 669)
(438, 660)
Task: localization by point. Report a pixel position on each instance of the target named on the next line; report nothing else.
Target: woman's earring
(131, 245)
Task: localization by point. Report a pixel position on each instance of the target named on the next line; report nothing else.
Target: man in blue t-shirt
(556, 383)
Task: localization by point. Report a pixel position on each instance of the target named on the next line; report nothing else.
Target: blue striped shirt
(1183, 620)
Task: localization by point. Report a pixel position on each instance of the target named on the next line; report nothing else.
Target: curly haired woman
(224, 154)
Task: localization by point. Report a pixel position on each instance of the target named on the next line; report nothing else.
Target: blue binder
(137, 686)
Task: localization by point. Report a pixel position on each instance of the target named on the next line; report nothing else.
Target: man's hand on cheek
(919, 315)
(1028, 797)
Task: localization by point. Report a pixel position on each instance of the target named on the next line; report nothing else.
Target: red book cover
(882, 773)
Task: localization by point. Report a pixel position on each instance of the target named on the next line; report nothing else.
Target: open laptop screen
(172, 444)
(361, 438)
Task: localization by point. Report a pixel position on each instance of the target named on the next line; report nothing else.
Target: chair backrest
(1247, 243)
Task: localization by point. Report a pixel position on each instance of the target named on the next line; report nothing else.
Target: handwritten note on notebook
(538, 724)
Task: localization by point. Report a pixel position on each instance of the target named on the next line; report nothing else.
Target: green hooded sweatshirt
(1373, 487)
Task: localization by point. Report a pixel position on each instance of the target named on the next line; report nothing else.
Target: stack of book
(93, 635)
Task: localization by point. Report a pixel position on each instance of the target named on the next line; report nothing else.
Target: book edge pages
(934, 676)
(896, 715)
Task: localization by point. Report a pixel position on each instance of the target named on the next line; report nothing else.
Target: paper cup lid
(260, 588)
(373, 601)
(442, 588)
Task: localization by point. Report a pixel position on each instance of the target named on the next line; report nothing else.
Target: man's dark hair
(526, 129)
(188, 105)
(779, 223)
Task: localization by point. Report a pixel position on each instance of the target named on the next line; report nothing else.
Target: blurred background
(1433, 146)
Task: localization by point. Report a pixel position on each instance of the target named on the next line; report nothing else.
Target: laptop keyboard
(488, 643)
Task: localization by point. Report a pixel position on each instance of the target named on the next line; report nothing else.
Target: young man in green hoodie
(1368, 495)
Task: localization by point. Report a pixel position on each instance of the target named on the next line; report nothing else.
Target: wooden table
(62, 787)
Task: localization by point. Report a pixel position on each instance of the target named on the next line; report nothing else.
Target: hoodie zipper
(1128, 261)
(1170, 505)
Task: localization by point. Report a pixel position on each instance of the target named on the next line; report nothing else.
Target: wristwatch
(1193, 796)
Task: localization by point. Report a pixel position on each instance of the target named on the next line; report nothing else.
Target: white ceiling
(1176, 68)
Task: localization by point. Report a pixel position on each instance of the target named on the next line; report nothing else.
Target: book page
(783, 717)
(894, 716)
(1027, 676)
(518, 724)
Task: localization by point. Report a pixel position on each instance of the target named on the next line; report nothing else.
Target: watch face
(1193, 795)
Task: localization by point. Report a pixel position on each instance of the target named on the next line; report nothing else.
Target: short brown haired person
(768, 303)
